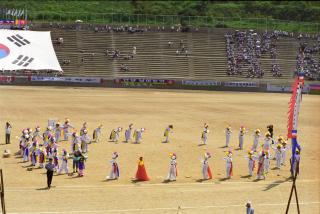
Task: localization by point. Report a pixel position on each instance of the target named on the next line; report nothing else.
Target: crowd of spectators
(115, 54)
(308, 61)
(246, 48)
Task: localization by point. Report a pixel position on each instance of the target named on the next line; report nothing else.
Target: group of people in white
(33, 150)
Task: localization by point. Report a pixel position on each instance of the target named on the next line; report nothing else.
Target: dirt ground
(154, 110)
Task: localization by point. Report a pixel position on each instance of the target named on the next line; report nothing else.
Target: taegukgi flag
(30, 50)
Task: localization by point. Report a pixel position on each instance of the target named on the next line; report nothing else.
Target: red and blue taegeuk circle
(4, 51)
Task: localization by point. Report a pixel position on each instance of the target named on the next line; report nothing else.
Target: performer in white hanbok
(26, 148)
(46, 136)
(228, 135)
(278, 155)
(114, 173)
(285, 148)
(115, 134)
(256, 138)
(251, 162)
(241, 137)
(34, 152)
(167, 132)
(267, 161)
(229, 166)
(66, 129)
(267, 142)
(127, 133)
(84, 127)
(97, 134)
(137, 135)
(57, 132)
(206, 171)
(173, 173)
(85, 141)
(64, 162)
(76, 143)
(36, 134)
(42, 156)
(205, 132)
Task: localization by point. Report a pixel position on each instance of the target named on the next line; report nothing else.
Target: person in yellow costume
(167, 132)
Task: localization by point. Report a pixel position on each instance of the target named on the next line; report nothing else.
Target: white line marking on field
(142, 185)
(161, 208)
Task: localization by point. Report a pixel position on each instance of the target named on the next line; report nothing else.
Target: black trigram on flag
(18, 40)
(23, 60)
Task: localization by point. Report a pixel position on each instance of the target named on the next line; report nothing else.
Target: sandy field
(155, 109)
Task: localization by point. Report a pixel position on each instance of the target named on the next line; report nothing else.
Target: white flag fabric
(27, 50)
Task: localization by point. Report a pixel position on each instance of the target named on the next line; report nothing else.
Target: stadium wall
(133, 82)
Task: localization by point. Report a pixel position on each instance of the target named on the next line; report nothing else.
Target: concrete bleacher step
(154, 58)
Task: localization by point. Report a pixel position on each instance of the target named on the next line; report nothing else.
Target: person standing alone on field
(249, 208)
(50, 168)
(8, 132)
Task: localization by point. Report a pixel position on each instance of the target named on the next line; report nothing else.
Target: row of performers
(38, 155)
(64, 130)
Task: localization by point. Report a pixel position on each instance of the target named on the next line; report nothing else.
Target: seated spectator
(124, 67)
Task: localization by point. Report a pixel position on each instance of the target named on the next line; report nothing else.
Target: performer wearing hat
(256, 138)
(228, 135)
(266, 162)
(173, 173)
(127, 133)
(36, 134)
(137, 135)
(167, 131)
(64, 162)
(206, 171)
(34, 152)
(204, 135)
(66, 126)
(46, 135)
(267, 142)
(42, 156)
(85, 141)
(261, 172)
(84, 127)
(50, 168)
(97, 134)
(229, 167)
(241, 137)
(278, 155)
(114, 173)
(76, 142)
(141, 174)
(26, 148)
(57, 131)
(251, 162)
(115, 134)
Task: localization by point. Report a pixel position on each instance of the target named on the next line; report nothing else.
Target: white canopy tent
(27, 50)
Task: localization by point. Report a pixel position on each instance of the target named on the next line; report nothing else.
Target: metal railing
(170, 20)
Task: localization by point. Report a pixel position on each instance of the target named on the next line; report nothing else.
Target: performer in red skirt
(141, 174)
